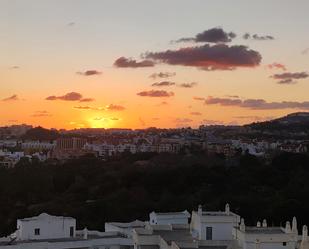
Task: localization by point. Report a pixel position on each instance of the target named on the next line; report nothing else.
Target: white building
(263, 237)
(45, 226)
(215, 225)
(207, 230)
(169, 218)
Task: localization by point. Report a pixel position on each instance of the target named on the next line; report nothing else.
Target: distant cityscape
(265, 139)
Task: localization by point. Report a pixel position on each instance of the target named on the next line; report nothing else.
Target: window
(208, 233)
(37, 231)
(284, 243)
(71, 231)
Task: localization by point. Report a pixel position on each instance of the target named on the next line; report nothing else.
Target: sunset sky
(164, 63)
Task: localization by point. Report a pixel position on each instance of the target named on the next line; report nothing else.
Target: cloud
(276, 65)
(256, 37)
(90, 72)
(287, 81)
(207, 57)
(257, 104)
(142, 122)
(223, 101)
(87, 100)
(214, 35)
(163, 83)
(14, 67)
(199, 98)
(83, 107)
(162, 103)
(187, 85)
(113, 107)
(40, 114)
(11, 98)
(183, 120)
(196, 113)
(71, 24)
(289, 78)
(162, 75)
(305, 51)
(130, 63)
(155, 93)
(72, 96)
(255, 118)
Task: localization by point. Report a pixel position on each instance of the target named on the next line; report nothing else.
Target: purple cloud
(130, 63)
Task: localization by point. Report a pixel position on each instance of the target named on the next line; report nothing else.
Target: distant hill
(295, 122)
(40, 133)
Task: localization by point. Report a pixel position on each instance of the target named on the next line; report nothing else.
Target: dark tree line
(130, 187)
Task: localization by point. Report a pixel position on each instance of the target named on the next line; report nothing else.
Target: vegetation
(129, 188)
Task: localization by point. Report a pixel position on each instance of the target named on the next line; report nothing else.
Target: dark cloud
(130, 63)
(90, 72)
(187, 85)
(11, 98)
(216, 57)
(257, 104)
(287, 81)
(256, 37)
(71, 24)
(196, 113)
(155, 93)
(276, 65)
(72, 96)
(289, 78)
(163, 83)
(162, 75)
(214, 35)
(113, 107)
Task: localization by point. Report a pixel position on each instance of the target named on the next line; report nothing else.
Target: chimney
(305, 233)
(242, 226)
(294, 225)
(200, 210)
(264, 224)
(85, 233)
(227, 209)
(288, 227)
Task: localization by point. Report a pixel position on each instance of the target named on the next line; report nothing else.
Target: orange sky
(45, 45)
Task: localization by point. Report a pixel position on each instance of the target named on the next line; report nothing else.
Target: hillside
(293, 123)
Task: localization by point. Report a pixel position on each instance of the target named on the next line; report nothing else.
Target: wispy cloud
(155, 93)
(90, 73)
(187, 85)
(257, 37)
(290, 78)
(113, 107)
(163, 84)
(257, 104)
(213, 35)
(162, 75)
(131, 63)
(11, 98)
(72, 96)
